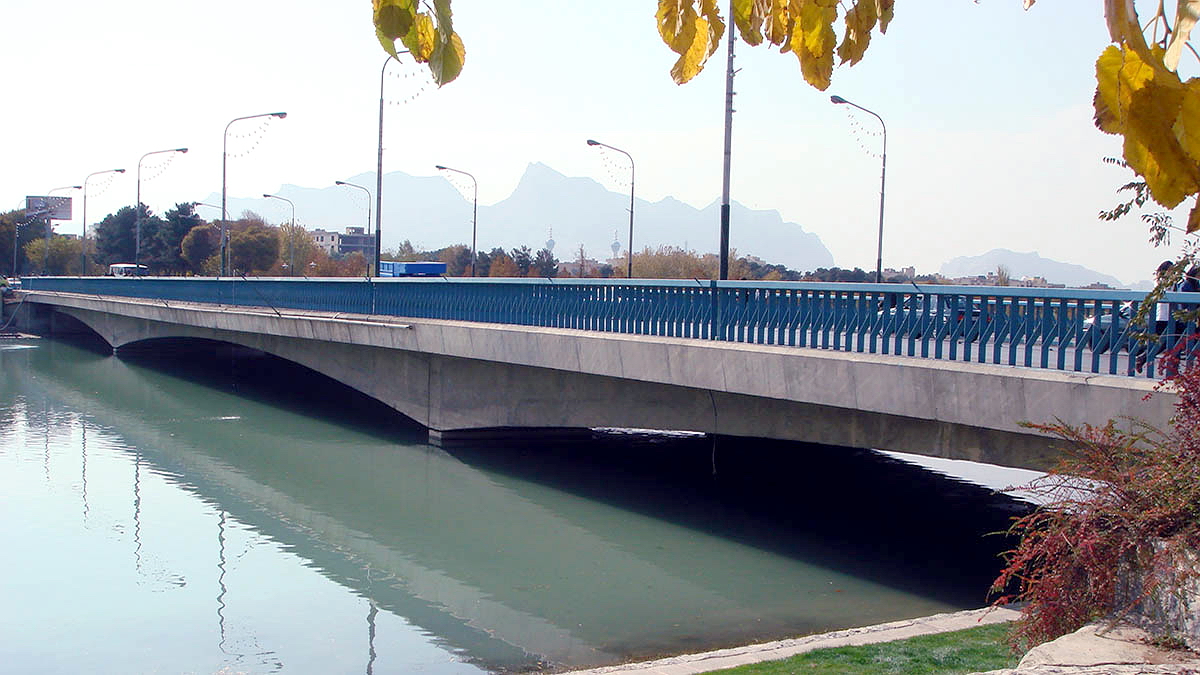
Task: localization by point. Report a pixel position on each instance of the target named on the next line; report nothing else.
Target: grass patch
(964, 651)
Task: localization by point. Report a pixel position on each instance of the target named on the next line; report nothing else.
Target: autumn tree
(253, 247)
(199, 245)
(296, 249)
(63, 255)
(502, 264)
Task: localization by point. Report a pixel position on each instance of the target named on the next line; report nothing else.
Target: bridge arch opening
(263, 376)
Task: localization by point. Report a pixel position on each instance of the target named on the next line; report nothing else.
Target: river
(193, 509)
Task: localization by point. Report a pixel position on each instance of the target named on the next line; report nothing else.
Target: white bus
(127, 270)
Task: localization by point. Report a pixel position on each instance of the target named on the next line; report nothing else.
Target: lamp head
(339, 182)
(439, 167)
(183, 150)
(76, 187)
(119, 170)
(838, 99)
(280, 115)
(267, 195)
(591, 142)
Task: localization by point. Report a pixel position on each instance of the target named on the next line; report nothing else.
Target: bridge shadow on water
(855, 510)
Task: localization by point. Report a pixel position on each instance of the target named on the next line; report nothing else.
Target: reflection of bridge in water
(926, 370)
(496, 565)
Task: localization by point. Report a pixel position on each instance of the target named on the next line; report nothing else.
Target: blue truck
(391, 268)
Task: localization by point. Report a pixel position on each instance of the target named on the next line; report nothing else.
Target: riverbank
(1096, 649)
(704, 662)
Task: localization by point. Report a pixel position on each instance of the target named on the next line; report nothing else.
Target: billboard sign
(50, 208)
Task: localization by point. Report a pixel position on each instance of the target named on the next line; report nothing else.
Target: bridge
(937, 370)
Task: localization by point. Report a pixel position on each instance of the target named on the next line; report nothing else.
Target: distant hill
(545, 204)
(1022, 265)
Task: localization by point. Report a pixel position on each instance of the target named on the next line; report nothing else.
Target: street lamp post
(474, 210)
(342, 182)
(224, 161)
(632, 174)
(882, 183)
(137, 218)
(83, 242)
(379, 170)
(291, 234)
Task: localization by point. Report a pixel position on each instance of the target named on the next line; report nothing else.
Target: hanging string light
(159, 166)
(407, 85)
(102, 184)
(248, 141)
(861, 133)
(464, 188)
(616, 166)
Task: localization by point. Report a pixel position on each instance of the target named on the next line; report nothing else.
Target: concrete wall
(455, 376)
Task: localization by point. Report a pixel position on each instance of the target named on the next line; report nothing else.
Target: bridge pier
(454, 438)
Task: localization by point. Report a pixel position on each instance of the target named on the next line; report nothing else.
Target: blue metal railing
(1062, 329)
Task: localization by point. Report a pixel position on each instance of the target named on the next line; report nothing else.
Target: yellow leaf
(1152, 149)
(716, 26)
(884, 9)
(1193, 223)
(1144, 101)
(776, 21)
(389, 45)
(422, 39)
(1187, 12)
(860, 21)
(1187, 126)
(447, 59)
(748, 17)
(813, 40)
(677, 24)
(1123, 25)
(691, 61)
(393, 18)
(1107, 101)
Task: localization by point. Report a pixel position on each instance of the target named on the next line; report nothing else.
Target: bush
(1119, 502)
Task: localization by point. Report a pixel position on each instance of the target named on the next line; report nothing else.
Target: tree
(13, 225)
(202, 243)
(253, 248)
(523, 257)
(457, 259)
(296, 247)
(502, 265)
(63, 258)
(166, 248)
(115, 237)
(545, 264)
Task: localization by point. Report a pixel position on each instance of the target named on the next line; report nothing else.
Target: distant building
(354, 239)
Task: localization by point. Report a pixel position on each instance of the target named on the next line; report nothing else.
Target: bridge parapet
(1060, 329)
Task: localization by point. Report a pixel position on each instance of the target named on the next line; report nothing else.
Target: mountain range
(565, 213)
(545, 206)
(1022, 265)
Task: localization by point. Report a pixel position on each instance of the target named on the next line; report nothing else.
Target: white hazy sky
(990, 141)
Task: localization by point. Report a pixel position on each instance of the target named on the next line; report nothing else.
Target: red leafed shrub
(1121, 501)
